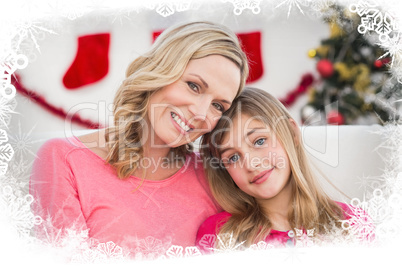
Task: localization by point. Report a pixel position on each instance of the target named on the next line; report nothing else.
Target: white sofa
(349, 156)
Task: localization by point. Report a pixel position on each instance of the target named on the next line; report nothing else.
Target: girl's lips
(263, 176)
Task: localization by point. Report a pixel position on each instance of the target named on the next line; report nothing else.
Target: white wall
(285, 42)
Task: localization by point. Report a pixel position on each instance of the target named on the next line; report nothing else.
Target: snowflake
(71, 10)
(183, 6)
(208, 241)
(262, 245)
(226, 243)
(9, 179)
(110, 250)
(240, 5)
(32, 30)
(102, 253)
(366, 182)
(192, 252)
(360, 225)
(22, 142)
(149, 248)
(121, 15)
(27, 47)
(3, 136)
(378, 207)
(296, 3)
(165, 9)
(7, 107)
(177, 252)
(8, 66)
(3, 168)
(394, 47)
(304, 238)
(18, 210)
(372, 19)
(88, 256)
(6, 152)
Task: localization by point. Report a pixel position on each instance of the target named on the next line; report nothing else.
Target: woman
(138, 180)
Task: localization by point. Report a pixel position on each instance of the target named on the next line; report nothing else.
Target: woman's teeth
(179, 122)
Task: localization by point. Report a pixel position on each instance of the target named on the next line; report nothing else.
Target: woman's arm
(54, 189)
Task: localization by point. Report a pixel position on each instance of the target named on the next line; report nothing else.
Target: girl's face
(190, 107)
(255, 159)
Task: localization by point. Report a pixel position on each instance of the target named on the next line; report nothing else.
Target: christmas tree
(356, 86)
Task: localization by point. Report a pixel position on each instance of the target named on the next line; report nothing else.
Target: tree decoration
(354, 74)
(335, 118)
(325, 68)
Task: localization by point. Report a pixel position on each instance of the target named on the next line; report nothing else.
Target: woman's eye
(193, 86)
(218, 106)
(259, 142)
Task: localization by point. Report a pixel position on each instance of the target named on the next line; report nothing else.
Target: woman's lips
(263, 176)
(179, 127)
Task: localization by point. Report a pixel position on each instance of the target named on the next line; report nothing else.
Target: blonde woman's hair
(163, 65)
(311, 207)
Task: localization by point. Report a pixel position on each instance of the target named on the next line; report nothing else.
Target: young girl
(259, 173)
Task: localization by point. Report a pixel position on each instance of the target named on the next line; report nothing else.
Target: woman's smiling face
(190, 107)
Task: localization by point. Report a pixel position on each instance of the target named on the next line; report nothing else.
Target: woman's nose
(200, 109)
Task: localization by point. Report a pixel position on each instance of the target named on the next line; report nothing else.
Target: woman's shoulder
(95, 142)
(195, 160)
(63, 147)
(57, 145)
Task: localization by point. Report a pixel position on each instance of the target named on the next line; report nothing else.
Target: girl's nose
(253, 162)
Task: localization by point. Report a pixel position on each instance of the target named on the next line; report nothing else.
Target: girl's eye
(259, 142)
(233, 159)
(218, 106)
(193, 86)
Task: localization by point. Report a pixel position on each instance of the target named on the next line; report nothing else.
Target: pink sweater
(360, 223)
(75, 187)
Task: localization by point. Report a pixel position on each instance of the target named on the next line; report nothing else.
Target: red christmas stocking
(91, 62)
(251, 45)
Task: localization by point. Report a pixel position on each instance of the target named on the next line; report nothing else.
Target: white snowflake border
(17, 206)
(385, 25)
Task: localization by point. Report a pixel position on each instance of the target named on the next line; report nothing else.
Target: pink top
(360, 224)
(76, 187)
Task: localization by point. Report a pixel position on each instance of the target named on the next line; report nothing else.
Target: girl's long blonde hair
(163, 65)
(311, 207)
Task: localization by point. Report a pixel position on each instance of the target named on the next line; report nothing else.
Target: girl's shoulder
(358, 222)
(207, 233)
(212, 224)
(216, 220)
(350, 211)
